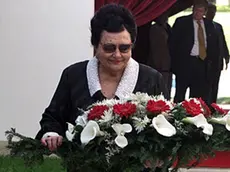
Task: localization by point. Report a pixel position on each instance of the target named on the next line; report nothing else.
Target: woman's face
(114, 50)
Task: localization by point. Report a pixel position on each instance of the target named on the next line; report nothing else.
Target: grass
(10, 164)
(223, 8)
(223, 100)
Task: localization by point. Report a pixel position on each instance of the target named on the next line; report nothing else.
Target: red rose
(157, 106)
(192, 107)
(124, 110)
(97, 111)
(219, 109)
(207, 111)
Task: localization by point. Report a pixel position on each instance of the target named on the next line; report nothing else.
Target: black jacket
(73, 93)
(224, 53)
(182, 41)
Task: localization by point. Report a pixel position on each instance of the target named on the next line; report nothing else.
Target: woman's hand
(52, 142)
(148, 164)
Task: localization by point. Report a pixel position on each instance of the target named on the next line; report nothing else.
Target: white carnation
(108, 116)
(108, 102)
(138, 97)
(140, 124)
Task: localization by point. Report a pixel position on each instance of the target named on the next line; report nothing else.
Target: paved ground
(3, 150)
(224, 86)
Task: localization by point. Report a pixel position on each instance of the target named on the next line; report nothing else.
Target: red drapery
(144, 11)
(221, 160)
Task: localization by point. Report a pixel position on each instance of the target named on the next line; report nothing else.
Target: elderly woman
(112, 73)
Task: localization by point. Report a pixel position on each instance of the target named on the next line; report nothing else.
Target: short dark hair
(200, 3)
(112, 18)
(211, 6)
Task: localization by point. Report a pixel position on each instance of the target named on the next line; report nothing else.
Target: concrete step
(3, 149)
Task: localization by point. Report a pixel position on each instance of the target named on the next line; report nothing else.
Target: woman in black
(112, 73)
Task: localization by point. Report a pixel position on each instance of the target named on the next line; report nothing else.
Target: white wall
(38, 39)
(222, 2)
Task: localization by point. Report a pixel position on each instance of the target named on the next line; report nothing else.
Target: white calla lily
(121, 129)
(70, 132)
(82, 120)
(200, 122)
(225, 120)
(163, 127)
(90, 131)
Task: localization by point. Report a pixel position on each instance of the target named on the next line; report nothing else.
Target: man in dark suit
(193, 50)
(223, 48)
(159, 56)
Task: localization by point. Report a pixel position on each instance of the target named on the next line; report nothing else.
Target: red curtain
(144, 11)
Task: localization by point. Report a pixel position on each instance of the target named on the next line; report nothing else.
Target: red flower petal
(192, 107)
(207, 111)
(157, 107)
(219, 109)
(97, 111)
(124, 110)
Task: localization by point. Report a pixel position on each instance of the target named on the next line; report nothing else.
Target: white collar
(126, 85)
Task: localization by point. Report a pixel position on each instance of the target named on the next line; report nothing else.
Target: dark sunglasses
(111, 48)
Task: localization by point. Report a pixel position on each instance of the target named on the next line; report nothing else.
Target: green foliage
(32, 152)
(220, 140)
(147, 145)
(16, 164)
(187, 147)
(223, 100)
(223, 8)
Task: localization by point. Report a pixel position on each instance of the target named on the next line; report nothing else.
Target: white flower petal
(225, 120)
(127, 128)
(197, 120)
(82, 120)
(137, 97)
(200, 121)
(107, 102)
(163, 127)
(69, 135)
(227, 125)
(207, 129)
(160, 97)
(219, 120)
(70, 132)
(108, 116)
(70, 127)
(90, 131)
(121, 129)
(121, 141)
(140, 124)
(87, 135)
(146, 119)
(117, 128)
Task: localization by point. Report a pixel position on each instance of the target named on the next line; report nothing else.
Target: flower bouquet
(138, 130)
